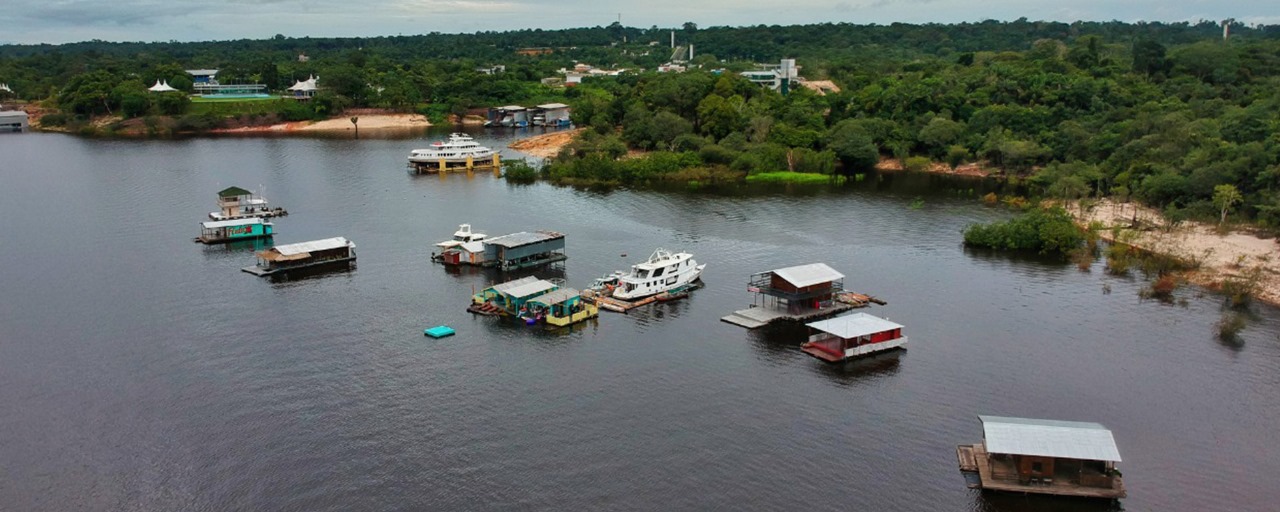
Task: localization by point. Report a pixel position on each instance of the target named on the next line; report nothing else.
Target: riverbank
(1218, 257)
(546, 145)
(377, 122)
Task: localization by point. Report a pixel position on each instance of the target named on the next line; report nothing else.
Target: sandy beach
(546, 145)
(1221, 256)
(379, 122)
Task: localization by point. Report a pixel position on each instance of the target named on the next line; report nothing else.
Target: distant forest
(1160, 112)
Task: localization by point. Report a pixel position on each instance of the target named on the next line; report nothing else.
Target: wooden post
(441, 166)
(497, 166)
(470, 164)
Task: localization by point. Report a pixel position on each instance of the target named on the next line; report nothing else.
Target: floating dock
(622, 306)
(445, 166)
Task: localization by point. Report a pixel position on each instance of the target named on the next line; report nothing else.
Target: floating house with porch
(560, 308)
(845, 337)
(238, 203)
(335, 252)
(524, 249)
(1063, 458)
(510, 297)
(800, 293)
(223, 231)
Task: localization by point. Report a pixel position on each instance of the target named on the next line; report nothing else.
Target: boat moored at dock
(459, 152)
(223, 231)
(283, 258)
(506, 252)
(663, 271)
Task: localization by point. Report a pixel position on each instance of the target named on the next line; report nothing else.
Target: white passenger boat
(461, 236)
(459, 148)
(663, 271)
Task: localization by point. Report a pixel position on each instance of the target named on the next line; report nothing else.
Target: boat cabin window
(658, 272)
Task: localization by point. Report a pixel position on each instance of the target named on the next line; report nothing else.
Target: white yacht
(461, 236)
(663, 271)
(459, 148)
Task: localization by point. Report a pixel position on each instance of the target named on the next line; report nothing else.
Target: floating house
(859, 334)
(561, 307)
(512, 296)
(238, 203)
(283, 258)
(804, 292)
(1064, 458)
(551, 114)
(222, 231)
(13, 121)
(513, 116)
(524, 249)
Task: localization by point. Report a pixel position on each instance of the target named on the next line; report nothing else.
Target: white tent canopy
(161, 87)
(305, 85)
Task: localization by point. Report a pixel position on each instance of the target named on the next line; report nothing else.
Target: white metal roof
(202, 72)
(550, 106)
(228, 223)
(473, 246)
(1049, 438)
(503, 287)
(530, 289)
(852, 326)
(314, 245)
(808, 275)
(513, 108)
(522, 238)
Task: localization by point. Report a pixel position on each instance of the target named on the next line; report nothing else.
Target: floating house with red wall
(844, 337)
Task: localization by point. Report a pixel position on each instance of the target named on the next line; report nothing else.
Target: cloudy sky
(60, 21)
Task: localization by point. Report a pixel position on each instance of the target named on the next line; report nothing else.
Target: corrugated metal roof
(550, 106)
(852, 326)
(314, 245)
(808, 275)
(228, 223)
(556, 297)
(503, 287)
(530, 289)
(522, 238)
(1049, 438)
(512, 107)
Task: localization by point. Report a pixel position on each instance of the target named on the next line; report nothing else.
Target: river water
(140, 371)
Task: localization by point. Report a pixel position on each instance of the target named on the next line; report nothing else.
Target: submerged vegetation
(1043, 230)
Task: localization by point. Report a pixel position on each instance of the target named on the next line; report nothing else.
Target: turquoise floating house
(513, 296)
(559, 308)
(223, 231)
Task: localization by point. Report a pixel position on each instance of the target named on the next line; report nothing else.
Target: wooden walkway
(997, 475)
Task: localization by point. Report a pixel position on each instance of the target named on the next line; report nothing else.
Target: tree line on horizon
(1160, 112)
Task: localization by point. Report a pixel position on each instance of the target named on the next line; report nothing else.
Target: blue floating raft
(439, 331)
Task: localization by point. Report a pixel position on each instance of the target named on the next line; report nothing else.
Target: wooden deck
(622, 306)
(760, 316)
(998, 475)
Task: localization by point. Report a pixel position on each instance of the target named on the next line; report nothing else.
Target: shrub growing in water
(1042, 230)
